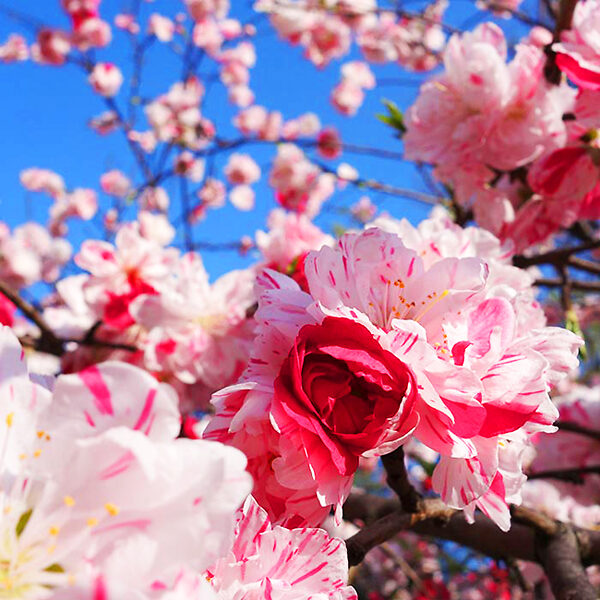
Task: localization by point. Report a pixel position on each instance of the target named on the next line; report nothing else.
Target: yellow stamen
(111, 509)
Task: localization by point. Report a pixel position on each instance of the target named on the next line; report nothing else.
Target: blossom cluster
(396, 333)
(99, 498)
(518, 149)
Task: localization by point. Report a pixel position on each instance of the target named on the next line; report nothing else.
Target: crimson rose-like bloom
(339, 386)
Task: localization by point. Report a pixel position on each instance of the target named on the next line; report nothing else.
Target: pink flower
(93, 33)
(189, 166)
(347, 97)
(569, 171)
(242, 197)
(43, 180)
(106, 79)
(154, 198)
(328, 38)
(161, 27)
(290, 236)
(578, 53)
(329, 143)
(341, 395)
(201, 9)
(14, 49)
(299, 184)
(241, 169)
(212, 193)
(359, 73)
(241, 95)
(115, 183)
(306, 563)
(127, 23)
(363, 210)
(51, 48)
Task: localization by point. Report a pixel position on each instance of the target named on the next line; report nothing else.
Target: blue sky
(44, 111)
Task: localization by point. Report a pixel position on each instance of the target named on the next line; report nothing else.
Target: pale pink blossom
(187, 165)
(127, 23)
(51, 47)
(483, 114)
(105, 123)
(176, 116)
(201, 9)
(359, 73)
(578, 53)
(347, 97)
(305, 125)
(208, 36)
(83, 464)
(154, 198)
(115, 183)
(241, 95)
(299, 184)
(156, 227)
(297, 564)
(43, 180)
(93, 33)
(241, 169)
(212, 193)
(14, 49)
(256, 120)
(161, 27)
(198, 331)
(364, 210)
(106, 79)
(289, 236)
(81, 203)
(242, 197)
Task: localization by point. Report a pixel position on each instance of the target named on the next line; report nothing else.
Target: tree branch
(560, 556)
(397, 479)
(575, 475)
(48, 341)
(576, 428)
(533, 537)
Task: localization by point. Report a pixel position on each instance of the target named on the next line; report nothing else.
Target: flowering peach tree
(386, 409)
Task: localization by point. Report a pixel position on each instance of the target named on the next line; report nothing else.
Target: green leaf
(572, 324)
(394, 118)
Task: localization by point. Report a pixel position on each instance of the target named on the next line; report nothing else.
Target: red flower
(341, 394)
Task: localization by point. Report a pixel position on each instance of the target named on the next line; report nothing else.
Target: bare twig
(576, 475)
(397, 479)
(48, 341)
(576, 428)
(589, 286)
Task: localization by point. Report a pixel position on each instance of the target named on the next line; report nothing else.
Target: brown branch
(48, 341)
(575, 475)
(588, 286)
(557, 256)
(397, 479)
(560, 556)
(584, 265)
(566, 9)
(389, 525)
(520, 542)
(576, 428)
